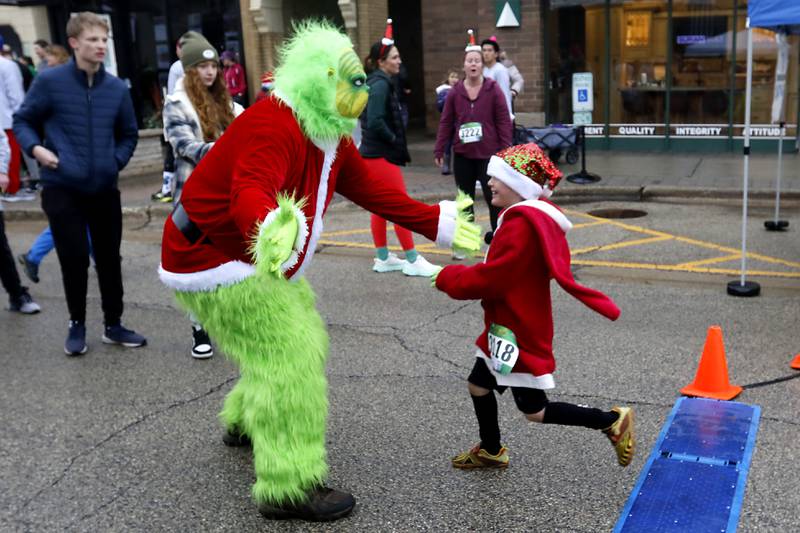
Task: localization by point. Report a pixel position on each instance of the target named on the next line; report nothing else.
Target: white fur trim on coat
(518, 379)
(300, 240)
(548, 209)
(517, 181)
(316, 226)
(447, 224)
(207, 280)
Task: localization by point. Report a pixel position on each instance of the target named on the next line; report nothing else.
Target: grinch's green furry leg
(233, 410)
(270, 328)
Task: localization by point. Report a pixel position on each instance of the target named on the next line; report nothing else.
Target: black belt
(189, 229)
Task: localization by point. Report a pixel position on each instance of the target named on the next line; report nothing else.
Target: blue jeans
(44, 244)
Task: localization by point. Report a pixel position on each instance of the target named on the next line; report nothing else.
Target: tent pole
(744, 288)
(776, 224)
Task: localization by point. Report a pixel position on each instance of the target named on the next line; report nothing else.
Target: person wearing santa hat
(513, 283)
(476, 118)
(384, 149)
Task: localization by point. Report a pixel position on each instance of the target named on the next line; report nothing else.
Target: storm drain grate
(618, 213)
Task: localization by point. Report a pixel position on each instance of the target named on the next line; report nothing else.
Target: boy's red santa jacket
(528, 250)
(235, 187)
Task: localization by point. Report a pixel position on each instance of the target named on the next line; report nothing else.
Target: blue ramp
(694, 480)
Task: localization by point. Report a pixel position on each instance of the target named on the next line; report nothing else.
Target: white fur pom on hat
(526, 170)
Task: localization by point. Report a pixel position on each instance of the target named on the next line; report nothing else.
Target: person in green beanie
(195, 116)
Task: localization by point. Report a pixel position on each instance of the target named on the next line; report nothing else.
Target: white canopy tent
(781, 16)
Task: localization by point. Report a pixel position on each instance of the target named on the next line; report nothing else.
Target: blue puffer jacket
(92, 130)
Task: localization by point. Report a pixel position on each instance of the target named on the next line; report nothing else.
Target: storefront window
(677, 69)
(702, 41)
(638, 67)
(765, 74)
(576, 44)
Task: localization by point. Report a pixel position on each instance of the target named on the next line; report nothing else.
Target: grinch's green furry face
(351, 88)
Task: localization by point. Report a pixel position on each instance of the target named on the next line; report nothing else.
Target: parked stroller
(554, 139)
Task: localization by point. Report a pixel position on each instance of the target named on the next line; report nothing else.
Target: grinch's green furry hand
(467, 235)
(277, 239)
(434, 276)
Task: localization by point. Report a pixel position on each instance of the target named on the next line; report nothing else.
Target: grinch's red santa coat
(264, 153)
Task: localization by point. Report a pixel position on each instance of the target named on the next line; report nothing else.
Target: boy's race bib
(471, 132)
(503, 348)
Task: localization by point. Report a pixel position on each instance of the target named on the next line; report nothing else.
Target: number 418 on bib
(503, 348)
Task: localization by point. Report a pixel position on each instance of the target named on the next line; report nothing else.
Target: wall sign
(507, 13)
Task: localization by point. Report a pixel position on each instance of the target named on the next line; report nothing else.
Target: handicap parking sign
(582, 92)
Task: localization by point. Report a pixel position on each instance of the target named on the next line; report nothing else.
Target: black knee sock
(486, 411)
(567, 414)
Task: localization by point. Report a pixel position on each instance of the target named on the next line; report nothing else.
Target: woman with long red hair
(195, 116)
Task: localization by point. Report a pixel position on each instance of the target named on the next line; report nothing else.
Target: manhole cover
(618, 213)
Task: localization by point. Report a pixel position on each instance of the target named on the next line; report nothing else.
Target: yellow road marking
(724, 258)
(687, 240)
(589, 224)
(698, 266)
(618, 245)
(345, 232)
(677, 268)
(348, 244)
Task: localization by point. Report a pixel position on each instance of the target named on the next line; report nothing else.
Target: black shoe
(76, 339)
(234, 438)
(31, 269)
(201, 345)
(123, 336)
(23, 304)
(322, 505)
(488, 237)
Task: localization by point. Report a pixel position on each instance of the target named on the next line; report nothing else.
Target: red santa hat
(526, 170)
(387, 41)
(471, 46)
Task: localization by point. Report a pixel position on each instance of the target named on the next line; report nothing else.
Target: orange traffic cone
(711, 380)
(795, 362)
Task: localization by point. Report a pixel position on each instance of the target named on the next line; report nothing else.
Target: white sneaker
(390, 264)
(459, 256)
(420, 267)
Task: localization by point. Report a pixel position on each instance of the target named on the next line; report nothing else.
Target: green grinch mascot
(246, 228)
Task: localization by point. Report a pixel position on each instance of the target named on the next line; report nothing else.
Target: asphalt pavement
(128, 440)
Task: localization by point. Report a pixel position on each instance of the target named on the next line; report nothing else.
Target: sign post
(582, 107)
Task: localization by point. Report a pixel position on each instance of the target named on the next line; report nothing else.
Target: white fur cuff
(447, 224)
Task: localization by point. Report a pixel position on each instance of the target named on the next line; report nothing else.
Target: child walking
(513, 284)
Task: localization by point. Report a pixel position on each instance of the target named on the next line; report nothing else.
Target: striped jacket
(184, 133)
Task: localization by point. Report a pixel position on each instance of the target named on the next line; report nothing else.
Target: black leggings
(8, 270)
(466, 172)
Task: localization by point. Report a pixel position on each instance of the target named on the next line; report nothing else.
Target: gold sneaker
(477, 457)
(620, 433)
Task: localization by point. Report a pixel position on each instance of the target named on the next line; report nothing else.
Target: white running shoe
(390, 264)
(420, 267)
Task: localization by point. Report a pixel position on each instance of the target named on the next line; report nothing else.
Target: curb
(144, 214)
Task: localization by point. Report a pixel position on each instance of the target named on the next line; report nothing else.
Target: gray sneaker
(23, 304)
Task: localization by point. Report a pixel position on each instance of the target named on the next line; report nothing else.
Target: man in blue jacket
(90, 132)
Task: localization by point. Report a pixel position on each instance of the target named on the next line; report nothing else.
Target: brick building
(430, 35)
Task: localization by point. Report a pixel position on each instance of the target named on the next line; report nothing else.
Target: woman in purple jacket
(476, 118)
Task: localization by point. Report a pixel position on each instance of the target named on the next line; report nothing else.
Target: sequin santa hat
(388, 40)
(526, 170)
(471, 46)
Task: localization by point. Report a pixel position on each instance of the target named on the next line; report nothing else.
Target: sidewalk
(631, 176)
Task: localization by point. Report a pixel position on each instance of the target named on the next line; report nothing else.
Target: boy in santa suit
(513, 283)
